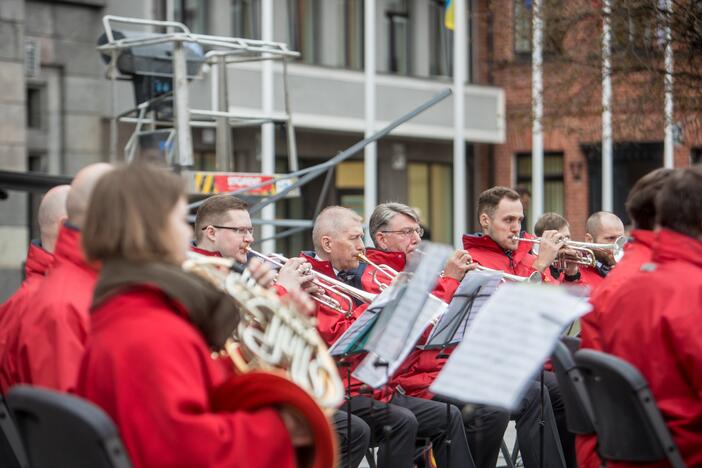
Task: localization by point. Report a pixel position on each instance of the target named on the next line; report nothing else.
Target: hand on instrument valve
(261, 272)
(299, 430)
(294, 273)
(550, 245)
(459, 264)
(571, 268)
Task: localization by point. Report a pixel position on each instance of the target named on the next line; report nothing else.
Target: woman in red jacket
(148, 359)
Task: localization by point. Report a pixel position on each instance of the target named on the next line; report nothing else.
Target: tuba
(279, 358)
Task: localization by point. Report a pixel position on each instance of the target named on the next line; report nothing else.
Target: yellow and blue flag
(449, 14)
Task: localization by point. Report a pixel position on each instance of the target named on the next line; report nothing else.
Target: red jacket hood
(207, 253)
(395, 260)
(671, 245)
(69, 248)
(38, 261)
(481, 241)
(643, 236)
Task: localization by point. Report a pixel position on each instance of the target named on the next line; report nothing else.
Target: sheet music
(388, 341)
(376, 376)
(508, 343)
(361, 324)
(477, 287)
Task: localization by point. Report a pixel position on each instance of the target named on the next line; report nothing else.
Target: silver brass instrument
(534, 278)
(585, 251)
(386, 270)
(271, 335)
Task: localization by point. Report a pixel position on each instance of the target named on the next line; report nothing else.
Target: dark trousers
(485, 427)
(441, 424)
(567, 437)
(358, 434)
(396, 447)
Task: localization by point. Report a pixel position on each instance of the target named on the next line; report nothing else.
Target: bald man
(52, 214)
(602, 227)
(47, 347)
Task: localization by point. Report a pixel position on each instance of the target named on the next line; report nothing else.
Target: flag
(448, 15)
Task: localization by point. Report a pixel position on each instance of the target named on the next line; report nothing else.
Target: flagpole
(537, 136)
(459, 145)
(668, 110)
(370, 155)
(607, 178)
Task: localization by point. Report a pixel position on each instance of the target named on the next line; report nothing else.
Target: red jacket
(487, 253)
(331, 324)
(652, 320)
(151, 371)
(35, 267)
(48, 346)
(444, 290)
(207, 253)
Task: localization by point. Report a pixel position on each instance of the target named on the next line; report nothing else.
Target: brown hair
(214, 211)
(641, 202)
(128, 213)
(490, 198)
(679, 204)
(549, 221)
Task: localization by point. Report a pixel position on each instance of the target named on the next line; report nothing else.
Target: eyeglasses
(408, 231)
(238, 230)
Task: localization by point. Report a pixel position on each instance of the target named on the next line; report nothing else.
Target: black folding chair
(630, 428)
(12, 453)
(578, 409)
(63, 431)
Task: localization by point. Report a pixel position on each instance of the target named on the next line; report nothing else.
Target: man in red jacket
(484, 426)
(652, 320)
(602, 227)
(52, 214)
(641, 207)
(338, 239)
(48, 345)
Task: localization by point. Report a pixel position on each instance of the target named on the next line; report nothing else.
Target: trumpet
(386, 270)
(345, 292)
(585, 251)
(534, 278)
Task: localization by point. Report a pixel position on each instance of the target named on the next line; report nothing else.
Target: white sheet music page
(508, 343)
(375, 376)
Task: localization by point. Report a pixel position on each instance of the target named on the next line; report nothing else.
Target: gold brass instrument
(585, 251)
(323, 299)
(280, 360)
(338, 287)
(386, 270)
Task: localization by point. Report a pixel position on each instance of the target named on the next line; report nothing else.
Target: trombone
(534, 278)
(586, 251)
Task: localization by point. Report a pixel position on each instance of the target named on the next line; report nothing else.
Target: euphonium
(281, 358)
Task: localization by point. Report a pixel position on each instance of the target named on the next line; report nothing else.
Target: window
(193, 13)
(441, 40)
(696, 155)
(351, 34)
(636, 26)
(246, 19)
(399, 37)
(35, 107)
(350, 184)
(304, 28)
(554, 192)
(553, 26)
(431, 194)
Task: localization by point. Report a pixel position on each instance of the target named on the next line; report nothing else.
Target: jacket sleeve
(162, 407)
(445, 288)
(51, 347)
(331, 324)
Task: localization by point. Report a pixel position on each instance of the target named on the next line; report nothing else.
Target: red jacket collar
(38, 261)
(207, 253)
(481, 241)
(395, 260)
(68, 246)
(320, 266)
(643, 236)
(671, 245)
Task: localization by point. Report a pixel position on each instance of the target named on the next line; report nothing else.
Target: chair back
(630, 428)
(62, 431)
(578, 409)
(12, 453)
